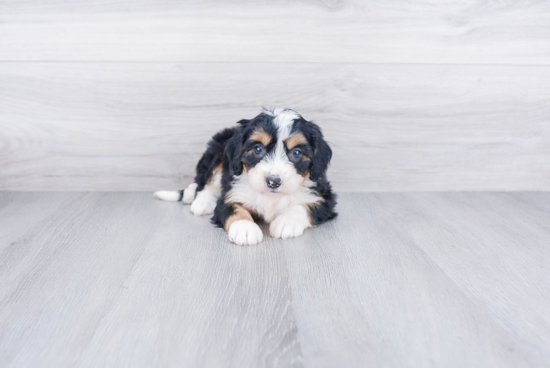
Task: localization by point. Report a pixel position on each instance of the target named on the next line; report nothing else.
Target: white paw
(203, 206)
(284, 229)
(290, 224)
(189, 193)
(244, 232)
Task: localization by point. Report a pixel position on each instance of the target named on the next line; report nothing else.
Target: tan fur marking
(217, 171)
(261, 136)
(295, 140)
(240, 213)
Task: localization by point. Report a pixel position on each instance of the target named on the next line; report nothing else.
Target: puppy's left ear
(321, 155)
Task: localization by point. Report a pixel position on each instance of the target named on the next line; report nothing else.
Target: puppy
(270, 168)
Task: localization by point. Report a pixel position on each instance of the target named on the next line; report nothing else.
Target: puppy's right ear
(233, 152)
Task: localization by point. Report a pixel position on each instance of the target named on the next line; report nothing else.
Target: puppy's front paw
(285, 227)
(244, 232)
(203, 206)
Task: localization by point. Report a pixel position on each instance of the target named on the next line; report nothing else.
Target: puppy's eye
(296, 154)
(258, 150)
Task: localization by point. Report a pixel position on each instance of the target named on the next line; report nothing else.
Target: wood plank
(28, 213)
(482, 233)
(367, 292)
(459, 32)
(125, 280)
(143, 126)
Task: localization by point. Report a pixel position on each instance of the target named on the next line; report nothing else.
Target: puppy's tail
(187, 195)
(169, 195)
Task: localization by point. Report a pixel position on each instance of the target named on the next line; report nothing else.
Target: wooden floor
(397, 280)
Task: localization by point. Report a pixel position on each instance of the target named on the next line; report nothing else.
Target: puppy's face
(280, 151)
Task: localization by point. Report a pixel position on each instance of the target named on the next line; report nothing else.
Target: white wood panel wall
(98, 95)
(463, 32)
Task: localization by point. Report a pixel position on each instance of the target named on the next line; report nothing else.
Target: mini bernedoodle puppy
(270, 168)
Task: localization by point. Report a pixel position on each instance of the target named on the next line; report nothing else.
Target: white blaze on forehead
(283, 120)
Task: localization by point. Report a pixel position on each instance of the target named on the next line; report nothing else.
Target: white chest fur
(269, 205)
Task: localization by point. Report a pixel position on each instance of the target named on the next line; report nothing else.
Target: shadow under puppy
(272, 167)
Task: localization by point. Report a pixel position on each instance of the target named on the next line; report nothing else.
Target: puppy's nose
(273, 182)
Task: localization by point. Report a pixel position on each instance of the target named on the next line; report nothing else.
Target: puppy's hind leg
(189, 193)
(205, 202)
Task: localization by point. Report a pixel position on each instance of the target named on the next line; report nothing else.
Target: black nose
(273, 182)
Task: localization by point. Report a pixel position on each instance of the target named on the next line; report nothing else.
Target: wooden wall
(412, 95)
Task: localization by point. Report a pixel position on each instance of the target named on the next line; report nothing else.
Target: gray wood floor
(398, 279)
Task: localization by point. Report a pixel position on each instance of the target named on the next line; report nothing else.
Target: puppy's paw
(290, 224)
(244, 232)
(203, 206)
(189, 193)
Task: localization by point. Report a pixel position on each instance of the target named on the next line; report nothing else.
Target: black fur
(213, 156)
(232, 153)
(325, 210)
(222, 213)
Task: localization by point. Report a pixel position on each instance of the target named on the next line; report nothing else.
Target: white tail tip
(168, 195)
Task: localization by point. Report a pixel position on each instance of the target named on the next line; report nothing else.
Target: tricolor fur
(270, 168)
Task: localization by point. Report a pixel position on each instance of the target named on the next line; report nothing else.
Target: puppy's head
(279, 150)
